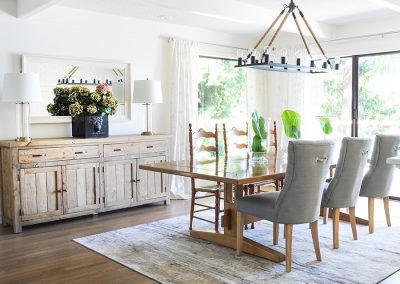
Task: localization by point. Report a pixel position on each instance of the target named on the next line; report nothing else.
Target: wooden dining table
(234, 173)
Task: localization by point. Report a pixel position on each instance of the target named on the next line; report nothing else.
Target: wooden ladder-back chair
(213, 190)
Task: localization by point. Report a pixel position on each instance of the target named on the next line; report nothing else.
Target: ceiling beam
(28, 8)
(390, 4)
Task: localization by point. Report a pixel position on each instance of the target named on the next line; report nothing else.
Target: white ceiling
(243, 16)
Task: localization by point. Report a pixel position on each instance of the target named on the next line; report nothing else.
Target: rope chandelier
(265, 61)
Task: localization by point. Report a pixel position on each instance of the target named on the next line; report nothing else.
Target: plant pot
(93, 126)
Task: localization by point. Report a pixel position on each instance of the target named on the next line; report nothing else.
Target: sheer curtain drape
(184, 84)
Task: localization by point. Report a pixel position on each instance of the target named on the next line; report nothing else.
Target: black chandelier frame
(265, 62)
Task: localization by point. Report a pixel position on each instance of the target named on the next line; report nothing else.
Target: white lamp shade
(147, 91)
(21, 88)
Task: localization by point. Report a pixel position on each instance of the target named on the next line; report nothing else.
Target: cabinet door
(81, 187)
(120, 183)
(150, 184)
(41, 192)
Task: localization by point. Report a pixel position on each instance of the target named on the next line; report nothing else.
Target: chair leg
(314, 234)
(324, 214)
(246, 192)
(371, 202)
(276, 233)
(251, 191)
(387, 212)
(336, 215)
(239, 233)
(284, 232)
(289, 233)
(352, 213)
(192, 208)
(277, 185)
(217, 197)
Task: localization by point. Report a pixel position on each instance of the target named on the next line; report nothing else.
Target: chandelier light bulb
(284, 52)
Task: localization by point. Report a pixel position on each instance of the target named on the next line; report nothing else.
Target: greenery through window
(222, 90)
(379, 94)
(222, 95)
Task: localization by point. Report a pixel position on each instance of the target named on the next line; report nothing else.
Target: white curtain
(184, 99)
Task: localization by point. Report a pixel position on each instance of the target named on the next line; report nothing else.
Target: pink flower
(102, 88)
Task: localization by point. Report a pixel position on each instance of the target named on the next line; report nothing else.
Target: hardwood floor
(46, 253)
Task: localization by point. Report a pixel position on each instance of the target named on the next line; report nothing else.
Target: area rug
(165, 252)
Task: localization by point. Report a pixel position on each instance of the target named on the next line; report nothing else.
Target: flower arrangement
(80, 101)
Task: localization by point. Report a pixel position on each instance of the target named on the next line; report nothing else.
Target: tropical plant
(326, 125)
(291, 123)
(260, 132)
(80, 101)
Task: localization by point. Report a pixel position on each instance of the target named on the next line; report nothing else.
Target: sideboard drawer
(111, 150)
(151, 147)
(59, 153)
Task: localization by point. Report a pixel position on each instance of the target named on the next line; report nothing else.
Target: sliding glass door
(378, 94)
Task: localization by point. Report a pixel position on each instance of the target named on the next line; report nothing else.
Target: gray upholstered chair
(378, 180)
(344, 188)
(300, 199)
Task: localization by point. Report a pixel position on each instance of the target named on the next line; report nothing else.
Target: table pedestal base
(249, 246)
(346, 217)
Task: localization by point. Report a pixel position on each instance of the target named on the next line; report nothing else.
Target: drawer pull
(80, 153)
(138, 180)
(38, 155)
(117, 150)
(149, 147)
(133, 180)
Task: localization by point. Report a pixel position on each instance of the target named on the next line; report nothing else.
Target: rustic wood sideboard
(59, 178)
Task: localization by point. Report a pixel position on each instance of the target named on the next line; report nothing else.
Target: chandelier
(265, 60)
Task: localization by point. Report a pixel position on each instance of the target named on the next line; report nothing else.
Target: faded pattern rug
(165, 252)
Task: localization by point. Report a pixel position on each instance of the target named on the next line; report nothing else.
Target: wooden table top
(231, 170)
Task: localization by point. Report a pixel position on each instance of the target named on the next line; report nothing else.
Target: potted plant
(258, 149)
(291, 124)
(89, 110)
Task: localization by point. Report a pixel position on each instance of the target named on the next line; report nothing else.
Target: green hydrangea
(58, 91)
(110, 102)
(75, 109)
(50, 108)
(95, 97)
(92, 109)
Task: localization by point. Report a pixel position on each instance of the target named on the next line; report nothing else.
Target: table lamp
(22, 89)
(147, 92)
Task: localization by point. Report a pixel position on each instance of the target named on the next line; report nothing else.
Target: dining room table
(234, 173)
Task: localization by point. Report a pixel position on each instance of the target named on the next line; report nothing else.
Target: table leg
(228, 238)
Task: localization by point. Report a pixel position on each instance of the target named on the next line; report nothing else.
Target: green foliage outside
(291, 124)
(373, 104)
(260, 132)
(221, 89)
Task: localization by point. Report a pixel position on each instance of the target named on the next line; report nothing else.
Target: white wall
(61, 31)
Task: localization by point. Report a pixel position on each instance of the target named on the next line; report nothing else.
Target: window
(329, 96)
(222, 93)
(378, 94)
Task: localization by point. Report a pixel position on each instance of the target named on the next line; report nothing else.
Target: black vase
(92, 126)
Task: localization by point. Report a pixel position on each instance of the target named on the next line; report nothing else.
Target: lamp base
(23, 139)
(147, 133)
